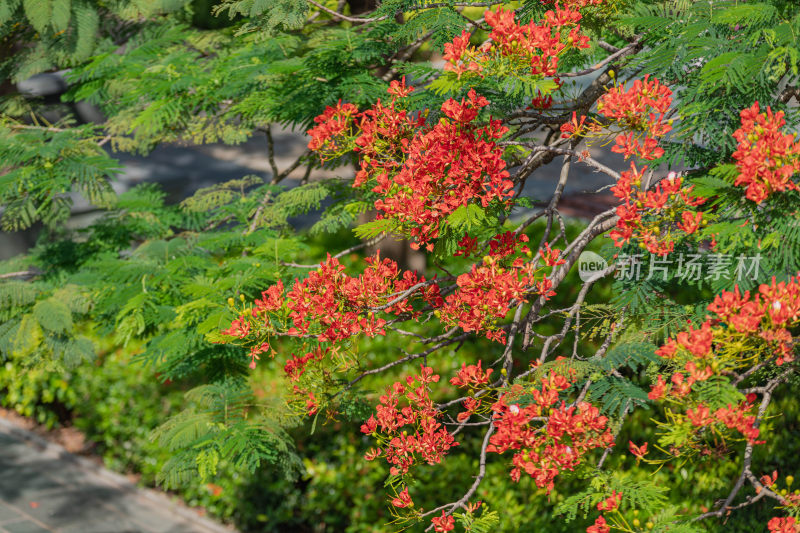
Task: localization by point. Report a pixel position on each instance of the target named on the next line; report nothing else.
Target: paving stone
(26, 482)
(107, 525)
(71, 495)
(25, 526)
(8, 513)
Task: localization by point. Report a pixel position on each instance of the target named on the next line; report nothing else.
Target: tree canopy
(512, 364)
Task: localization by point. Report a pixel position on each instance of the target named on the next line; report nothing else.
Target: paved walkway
(44, 489)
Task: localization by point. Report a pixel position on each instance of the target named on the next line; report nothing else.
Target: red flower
(271, 299)
(399, 89)
(443, 523)
(700, 417)
(668, 350)
(550, 257)
(765, 157)
(638, 451)
(254, 351)
(471, 375)
(786, 524)
(467, 246)
(610, 503)
(239, 328)
(697, 341)
(311, 404)
(574, 127)
(657, 392)
(599, 526)
(403, 499)
(768, 481)
(698, 374)
(690, 221)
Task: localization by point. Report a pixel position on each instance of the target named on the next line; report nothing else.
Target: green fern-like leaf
(53, 315)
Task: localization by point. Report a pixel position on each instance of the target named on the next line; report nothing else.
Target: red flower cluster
(485, 293)
(424, 174)
(573, 4)
(698, 362)
(484, 297)
(443, 523)
(786, 524)
(741, 330)
(766, 157)
(451, 165)
(472, 377)
(610, 503)
(640, 108)
(508, 243)
(668, 199)
(296, 366)
(383, 134)
(331, 306)
(599, 526)
(533, 47)
(544, 451)
(240, 327)
(338, 304)
(409, 434)
(761, 322)
(334, 123)
(732, 417)
(640, 112)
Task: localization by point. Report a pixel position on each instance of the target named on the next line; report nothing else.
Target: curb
(204, 524)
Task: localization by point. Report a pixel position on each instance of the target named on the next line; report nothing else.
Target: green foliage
(617, 395)
(66, 33)
(467, 217)
(149, 282)
(372, 229)
(441, 23)
(634, 355)
(722, 58)
(42, 166)
(486, 522)
(266, 17)
(217, 428)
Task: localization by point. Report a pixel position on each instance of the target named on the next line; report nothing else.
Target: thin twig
(365, 244)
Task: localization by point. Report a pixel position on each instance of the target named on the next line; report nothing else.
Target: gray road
(44, 489)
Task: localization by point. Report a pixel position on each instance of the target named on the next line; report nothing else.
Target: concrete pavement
(45, 489)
